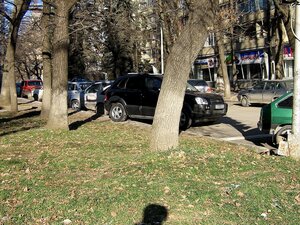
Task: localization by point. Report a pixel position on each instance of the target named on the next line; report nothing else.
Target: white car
(94, 96)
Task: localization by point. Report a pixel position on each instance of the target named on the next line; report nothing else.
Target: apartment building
(249, 45)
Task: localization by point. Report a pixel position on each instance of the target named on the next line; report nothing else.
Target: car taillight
(105, 97)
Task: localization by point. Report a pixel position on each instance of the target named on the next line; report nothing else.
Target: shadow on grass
(15, 124)
(22, 116)
(154, 215)
(73, 112)
(75, 125)
(17, 130)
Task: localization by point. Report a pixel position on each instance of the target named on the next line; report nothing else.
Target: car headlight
(201, 101)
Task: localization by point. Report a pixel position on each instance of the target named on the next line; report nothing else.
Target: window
(72, 87)
(153, 83)
(122, 83)
(135, 83)
(210, 41)
(286, 103)
(95, 88)
(35, 83)
(250, 6)
(270, 86)
(259, 86)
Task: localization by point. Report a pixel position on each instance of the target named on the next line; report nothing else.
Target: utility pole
(294, 137)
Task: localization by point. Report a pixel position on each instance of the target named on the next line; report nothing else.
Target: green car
(276, 118)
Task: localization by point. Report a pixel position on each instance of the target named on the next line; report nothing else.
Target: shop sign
(252, 57)
(208, 62)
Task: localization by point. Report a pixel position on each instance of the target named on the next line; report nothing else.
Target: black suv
(135, 96)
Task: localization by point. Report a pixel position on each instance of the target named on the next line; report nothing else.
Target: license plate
(219, 106)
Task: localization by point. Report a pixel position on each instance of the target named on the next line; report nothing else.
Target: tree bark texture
(58, 116)
(165, 128)
(47, 67)
(220, 43)
(8, 91)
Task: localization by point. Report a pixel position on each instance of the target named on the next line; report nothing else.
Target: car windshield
(190, 88)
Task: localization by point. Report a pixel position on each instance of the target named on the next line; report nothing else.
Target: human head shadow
(154, 214)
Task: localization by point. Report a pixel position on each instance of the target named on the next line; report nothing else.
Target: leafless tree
(165, 128)
(8, 90)
(58, 115)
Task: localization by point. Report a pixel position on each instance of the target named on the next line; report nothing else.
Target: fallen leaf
(297, 199)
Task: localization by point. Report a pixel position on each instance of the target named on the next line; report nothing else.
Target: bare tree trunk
(165, 128)
(47, 68)
(58, 116)
(227, 92)
(7, 101)
(8, 91)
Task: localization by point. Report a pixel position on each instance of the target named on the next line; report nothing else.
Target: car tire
(117, 112)
(35, 97)
(282, 134)
(185, 120)
(245, 101)
(75, 105)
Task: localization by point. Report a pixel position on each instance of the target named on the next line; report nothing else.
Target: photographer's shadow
(154, 215)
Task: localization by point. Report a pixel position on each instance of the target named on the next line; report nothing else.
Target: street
(238, 126)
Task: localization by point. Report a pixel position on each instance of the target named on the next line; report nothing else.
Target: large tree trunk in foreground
(165, 128)
(8, 91)
(47, 68)
(58, 116)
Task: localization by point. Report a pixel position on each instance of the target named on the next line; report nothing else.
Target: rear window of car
(35, 83)
(286, 103)
(197, 82)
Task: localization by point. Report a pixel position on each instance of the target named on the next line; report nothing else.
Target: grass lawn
(104, 173)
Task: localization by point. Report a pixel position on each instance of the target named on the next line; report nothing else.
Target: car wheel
(75, 105)
(185, 120)
(35, 97)
(117, 112)
(245, 101)
(282, 134)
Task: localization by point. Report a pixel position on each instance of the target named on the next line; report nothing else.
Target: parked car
(136, 96)
(276, 118)
(94, 96)
(264, 92)
(76, 94)
(28, 86)
(200, 85)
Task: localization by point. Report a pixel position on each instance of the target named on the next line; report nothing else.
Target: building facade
(250, 45)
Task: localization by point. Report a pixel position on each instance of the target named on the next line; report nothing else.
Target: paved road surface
(239, 126)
